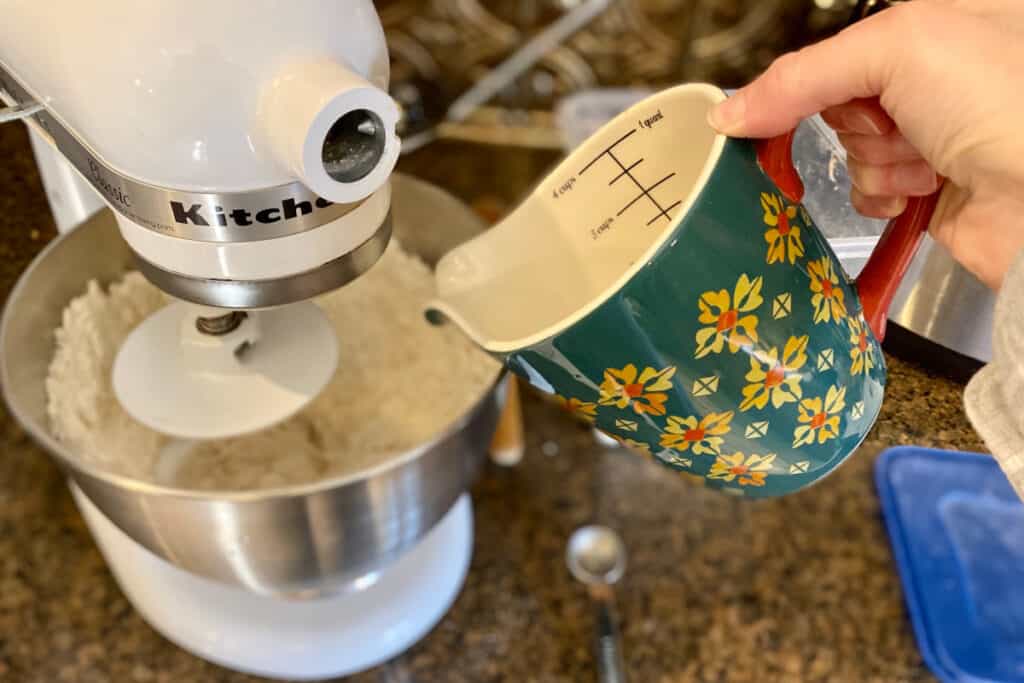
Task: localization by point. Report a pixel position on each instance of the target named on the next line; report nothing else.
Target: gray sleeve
(995, 396)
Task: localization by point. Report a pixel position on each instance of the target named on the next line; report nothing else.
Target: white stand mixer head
(275, 191)
(201, 373)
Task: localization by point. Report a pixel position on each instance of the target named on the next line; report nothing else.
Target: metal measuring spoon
(596, 556)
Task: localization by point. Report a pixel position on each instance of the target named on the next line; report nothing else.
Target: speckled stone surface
(718, 589)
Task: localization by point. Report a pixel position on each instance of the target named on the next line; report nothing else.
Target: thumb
(856, 63)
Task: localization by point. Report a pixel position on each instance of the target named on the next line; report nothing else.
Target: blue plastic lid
(957, 531)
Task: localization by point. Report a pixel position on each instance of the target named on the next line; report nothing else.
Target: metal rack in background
(441, 48)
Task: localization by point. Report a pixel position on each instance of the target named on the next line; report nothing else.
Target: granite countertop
(718, 589)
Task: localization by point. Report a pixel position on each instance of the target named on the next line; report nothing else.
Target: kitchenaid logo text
(195, 214)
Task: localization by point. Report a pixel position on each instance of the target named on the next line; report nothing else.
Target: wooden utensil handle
(509, 441)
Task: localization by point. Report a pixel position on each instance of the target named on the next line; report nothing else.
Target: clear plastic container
(580, 115)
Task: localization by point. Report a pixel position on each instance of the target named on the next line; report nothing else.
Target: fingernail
(727, 117)
(859, 122)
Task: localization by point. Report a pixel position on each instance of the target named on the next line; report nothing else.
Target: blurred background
(440, 48)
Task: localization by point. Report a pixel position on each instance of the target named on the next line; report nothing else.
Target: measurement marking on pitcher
(647, 193)
(627, 172)
(644, 191)
(607, 150)
(667, 209)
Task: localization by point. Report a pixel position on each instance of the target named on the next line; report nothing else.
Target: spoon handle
(610, 666)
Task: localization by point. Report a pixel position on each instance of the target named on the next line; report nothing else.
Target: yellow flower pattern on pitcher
(783, 233)
(774, 378)
(744, 470)
(827, 296)
(730, 318)
(790, 384)
(580, 410)
(819, 418)
(643, 392)
(862, 353)
(704, 436)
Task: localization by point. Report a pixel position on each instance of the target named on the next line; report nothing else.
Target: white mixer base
(318, 639)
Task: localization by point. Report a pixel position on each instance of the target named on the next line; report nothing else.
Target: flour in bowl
(400, 383)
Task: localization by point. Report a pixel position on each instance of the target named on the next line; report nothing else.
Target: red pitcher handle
(881, 276)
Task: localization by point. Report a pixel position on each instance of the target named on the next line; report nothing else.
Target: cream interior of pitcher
(587, 228)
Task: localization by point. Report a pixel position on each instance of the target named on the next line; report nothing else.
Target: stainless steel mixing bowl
(296, 542)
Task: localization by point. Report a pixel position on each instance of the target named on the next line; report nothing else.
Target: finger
(879, 149)
(995, 10)
(912, 178)
(845, 67)
(863, 116)
(877, 207)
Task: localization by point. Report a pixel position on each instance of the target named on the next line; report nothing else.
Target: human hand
(925, 90)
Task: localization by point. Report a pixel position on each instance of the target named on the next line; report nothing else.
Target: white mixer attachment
(198, 373)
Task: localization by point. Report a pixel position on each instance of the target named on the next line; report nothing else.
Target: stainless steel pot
(297, 542)
(940, 302)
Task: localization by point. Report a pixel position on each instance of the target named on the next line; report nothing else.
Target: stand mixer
(246, 154)
(249, 175)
